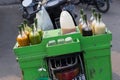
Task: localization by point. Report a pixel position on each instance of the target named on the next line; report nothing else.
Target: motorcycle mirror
(26, 3)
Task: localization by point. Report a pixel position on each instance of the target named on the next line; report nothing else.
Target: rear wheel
(102, 5)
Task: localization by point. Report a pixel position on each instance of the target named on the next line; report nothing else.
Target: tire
(75, 2)
(104, 8)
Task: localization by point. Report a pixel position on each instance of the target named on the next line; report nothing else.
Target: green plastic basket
(96, 54)
(95, 41)
(98, 64)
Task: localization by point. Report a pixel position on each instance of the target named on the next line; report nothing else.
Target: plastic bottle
(81, 14)
(36, 28)
(24, 30)
(94, 22)
(81, 21)
(92, 16)
(67, 23)
(34, 36)
(22, 38)
(100, 27)
(27, 28)
(86, 29)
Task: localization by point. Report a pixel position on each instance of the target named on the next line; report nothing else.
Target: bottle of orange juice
(22, 38)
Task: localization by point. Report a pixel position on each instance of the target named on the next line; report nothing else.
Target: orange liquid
(68, 30)
(22, 40)
(80, 27)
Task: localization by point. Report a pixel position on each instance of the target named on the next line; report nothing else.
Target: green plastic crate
(33, 74)
(31, 61)
(41, 48)
(97, 56)
(98, 64)
(95, 41)
(30, 66)
(31, 50)
(31, 57)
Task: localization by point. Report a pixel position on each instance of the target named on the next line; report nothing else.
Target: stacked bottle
(29, 35)
(95, 26)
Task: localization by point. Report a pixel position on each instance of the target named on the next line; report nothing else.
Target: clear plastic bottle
(22, 38)
(40, 31)
(92, 16)
(81, 21)
(100, 27)
(34, 36)
(27, 28)
(86, 29)
(67, 23)
(94, 22)
(81, 14)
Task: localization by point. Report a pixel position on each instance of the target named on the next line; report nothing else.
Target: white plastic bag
(44, 21)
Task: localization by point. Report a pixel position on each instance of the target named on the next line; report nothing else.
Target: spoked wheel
(75, 2)
(102, 5)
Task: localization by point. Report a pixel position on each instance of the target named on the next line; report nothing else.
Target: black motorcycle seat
(54, 3)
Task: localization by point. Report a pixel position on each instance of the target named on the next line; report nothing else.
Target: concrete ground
(7, 2)
(10, 17)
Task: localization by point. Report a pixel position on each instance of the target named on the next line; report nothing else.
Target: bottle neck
(85, 19)
(25, 23)
(20, 30)
(35, 22)
(33, 29)
(99, 18)
(92, 17)
(85, 22)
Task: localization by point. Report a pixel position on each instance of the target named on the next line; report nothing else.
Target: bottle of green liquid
(34, 36)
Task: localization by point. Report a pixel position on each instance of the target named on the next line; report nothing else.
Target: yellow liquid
(80, 27)
(93, 26)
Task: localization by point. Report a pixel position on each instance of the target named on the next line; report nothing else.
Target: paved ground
(6, 2)
(10, 17)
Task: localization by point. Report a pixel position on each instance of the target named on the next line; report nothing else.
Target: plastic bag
(44, 21)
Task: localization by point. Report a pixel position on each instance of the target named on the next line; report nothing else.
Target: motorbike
(101, 5)
(51, 10)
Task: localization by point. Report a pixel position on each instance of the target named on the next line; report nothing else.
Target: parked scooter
(101, 5)
(49, 11)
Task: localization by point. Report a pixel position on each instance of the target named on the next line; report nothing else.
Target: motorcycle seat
(54, 3)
